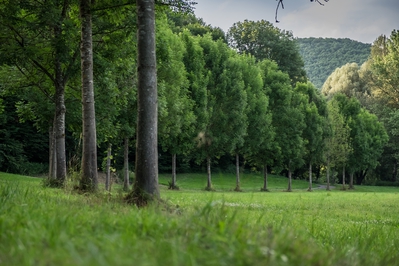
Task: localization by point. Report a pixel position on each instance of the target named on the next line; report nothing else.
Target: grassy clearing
(43, 226)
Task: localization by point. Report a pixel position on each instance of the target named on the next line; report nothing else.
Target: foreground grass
(41, 226)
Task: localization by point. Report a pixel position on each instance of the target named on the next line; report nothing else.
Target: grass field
(43, 226)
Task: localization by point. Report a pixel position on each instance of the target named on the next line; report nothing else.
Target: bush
(382, 183)
(33, 169)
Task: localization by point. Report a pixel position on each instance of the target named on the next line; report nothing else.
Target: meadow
(45, 226)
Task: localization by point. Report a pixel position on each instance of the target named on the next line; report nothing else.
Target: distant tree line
(323, 55)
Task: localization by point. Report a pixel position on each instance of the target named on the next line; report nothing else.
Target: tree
(89, 179)
(259, 141)
(264, 41)
(385, 66)
(338, 143)
(313, 134)
(346, 80)
(235, 110)
(368, 138)
(176, 116)
(146, 170)
(287, 119)
(380, 74)
(37, 41)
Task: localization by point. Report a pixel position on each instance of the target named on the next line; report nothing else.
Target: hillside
(323, 55)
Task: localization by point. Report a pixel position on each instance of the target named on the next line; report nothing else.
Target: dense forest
(323, 55)
(235, 101)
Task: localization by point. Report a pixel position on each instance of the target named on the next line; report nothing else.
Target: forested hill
(323, 55)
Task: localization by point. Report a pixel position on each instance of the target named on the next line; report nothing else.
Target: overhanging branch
(280, 2)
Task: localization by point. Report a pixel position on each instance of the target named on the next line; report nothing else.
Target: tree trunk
(89, 180)
(52, 153)
(126, 165)
(265, 178)
(343, 178)
(108, 171)
(208, 168)
(310, 177)
(237, 173)
(361, 176)
(351, 180)
(289, 189)
(60, 111)
(146, 182)
(173, 184)
(328, 174)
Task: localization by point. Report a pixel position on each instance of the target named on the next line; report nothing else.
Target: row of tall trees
(211, 99)
(374, 85)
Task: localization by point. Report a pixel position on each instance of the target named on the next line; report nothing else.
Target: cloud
(356, 19)
(362, 20)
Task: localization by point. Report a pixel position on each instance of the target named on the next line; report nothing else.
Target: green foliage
(180, 22)
(175, 107)
(338, 145)
(22, 148)
(323, 55)
(385, 67)
(314, 118)
(264, 41)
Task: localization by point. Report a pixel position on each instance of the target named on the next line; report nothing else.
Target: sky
(360, 20)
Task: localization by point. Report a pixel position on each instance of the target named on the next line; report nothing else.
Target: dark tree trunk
(108, 174)
(351, 180)
(208, 170)
(360, 176)
(310, 177)
(395, 171)
(289, 189)
(60, 111)
(343, 178)
(237, 173)
(146, 182)
(89, 180)
(265, 178)
(317, 172)
(126, 184)
(173, 183)
(328, 174)
(52, 153)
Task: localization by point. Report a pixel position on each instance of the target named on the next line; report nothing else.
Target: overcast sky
(360, 20)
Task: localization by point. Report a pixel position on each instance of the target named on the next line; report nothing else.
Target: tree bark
(208, 170)
(173, 185)
(126, 165)
(146, 182)
(360, 176)
(310, 177)
(89, 180)
(351, 181)
(395, 171)
(52, 153)
(237, 173)
(289, 189)
(343, 178)
(108, 174)
(60, 111)
(328, 175)
(265, 178)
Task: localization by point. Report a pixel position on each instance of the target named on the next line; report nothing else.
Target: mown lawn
(43, 226)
